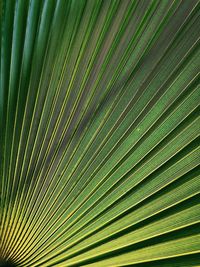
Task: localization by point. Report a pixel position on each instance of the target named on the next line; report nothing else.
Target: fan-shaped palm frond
(99, 123)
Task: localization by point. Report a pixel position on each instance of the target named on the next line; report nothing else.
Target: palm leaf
(99, 140)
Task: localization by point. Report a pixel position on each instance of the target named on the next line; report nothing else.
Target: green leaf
(99, 133)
